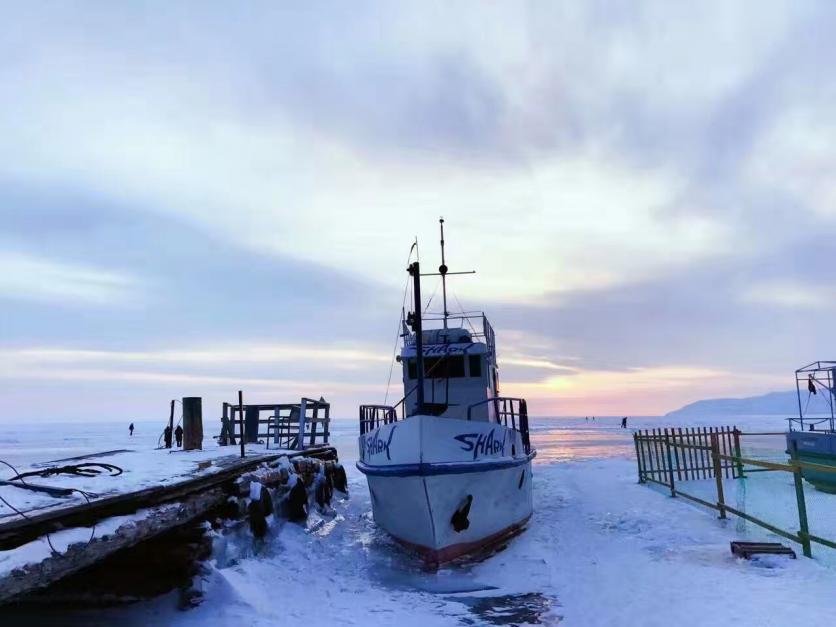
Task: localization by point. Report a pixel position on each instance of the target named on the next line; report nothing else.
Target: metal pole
(738, 463)
(804, 530)
(415, 271)
(241, 418)
(442, 269)
(170, 425)
(830, 381)
(798, 396)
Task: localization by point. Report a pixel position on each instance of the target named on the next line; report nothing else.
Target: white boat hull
(425, 471)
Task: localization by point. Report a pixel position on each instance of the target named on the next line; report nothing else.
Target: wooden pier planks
(162, 508)
(19, 531)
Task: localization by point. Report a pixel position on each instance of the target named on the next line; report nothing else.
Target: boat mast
(415, 271)
(442, 270)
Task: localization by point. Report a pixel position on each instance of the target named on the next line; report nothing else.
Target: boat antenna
(442, 270)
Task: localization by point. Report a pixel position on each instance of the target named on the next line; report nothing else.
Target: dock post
(303, 410)
(241, 419)
(251, 422)
(170, 424)
(227, 428)
(192, 423)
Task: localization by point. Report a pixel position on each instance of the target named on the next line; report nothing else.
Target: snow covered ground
(600, 550)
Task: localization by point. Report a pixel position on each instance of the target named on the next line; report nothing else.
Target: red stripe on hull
(434, 557)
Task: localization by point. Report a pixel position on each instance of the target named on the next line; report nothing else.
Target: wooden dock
(157, 492)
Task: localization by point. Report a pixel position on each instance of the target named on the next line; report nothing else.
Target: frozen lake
(599, 550)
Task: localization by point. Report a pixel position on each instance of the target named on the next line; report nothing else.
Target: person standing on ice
(167, 436)
(131, 428)
(178, 434)
(624, 422)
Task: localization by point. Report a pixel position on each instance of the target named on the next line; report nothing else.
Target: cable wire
(80, 470)
(400, 321)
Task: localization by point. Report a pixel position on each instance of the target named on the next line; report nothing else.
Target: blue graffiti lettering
(482, 444)
(376, 445)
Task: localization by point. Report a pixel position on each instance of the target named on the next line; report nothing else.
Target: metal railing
(468, 320)
(799, 424)
(672, 453)
(509, 412)
(374, 416)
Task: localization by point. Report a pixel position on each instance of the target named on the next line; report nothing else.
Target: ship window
(444, 367)
(475, 365)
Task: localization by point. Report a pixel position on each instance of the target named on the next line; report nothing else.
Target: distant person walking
(624, 422)
(131, 428)
(167, 436)
(178, 433)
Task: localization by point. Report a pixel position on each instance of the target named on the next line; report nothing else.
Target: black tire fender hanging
(460, 520)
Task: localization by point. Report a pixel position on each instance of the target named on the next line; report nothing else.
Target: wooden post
(241, 419)
(227, 431)
(638, 455)
(657, 450)
(675, 454)
(648, 470)
(192, 423)
(692, 454)
(727, 444)
(670, 464)
(804, 530)
(303, 410)
(681, 440)
(718, 475)
(327, 434)
(251, 414)
(313, 423)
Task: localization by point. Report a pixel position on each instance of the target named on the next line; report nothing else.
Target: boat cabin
(460, 369)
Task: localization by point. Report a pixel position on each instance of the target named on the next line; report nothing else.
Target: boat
(811, 437)
(448, 466)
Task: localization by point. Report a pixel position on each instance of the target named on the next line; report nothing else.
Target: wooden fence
(668, 455)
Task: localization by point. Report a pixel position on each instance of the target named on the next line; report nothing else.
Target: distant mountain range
(774, 403)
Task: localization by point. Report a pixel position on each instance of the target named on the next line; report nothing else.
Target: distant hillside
(774, 403)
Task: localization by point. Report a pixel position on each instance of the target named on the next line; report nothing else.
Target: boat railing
(509, 412)
(374, 416)
(474, 321)
(811, 424)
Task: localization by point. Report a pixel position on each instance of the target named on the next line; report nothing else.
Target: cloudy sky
(197, 198)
